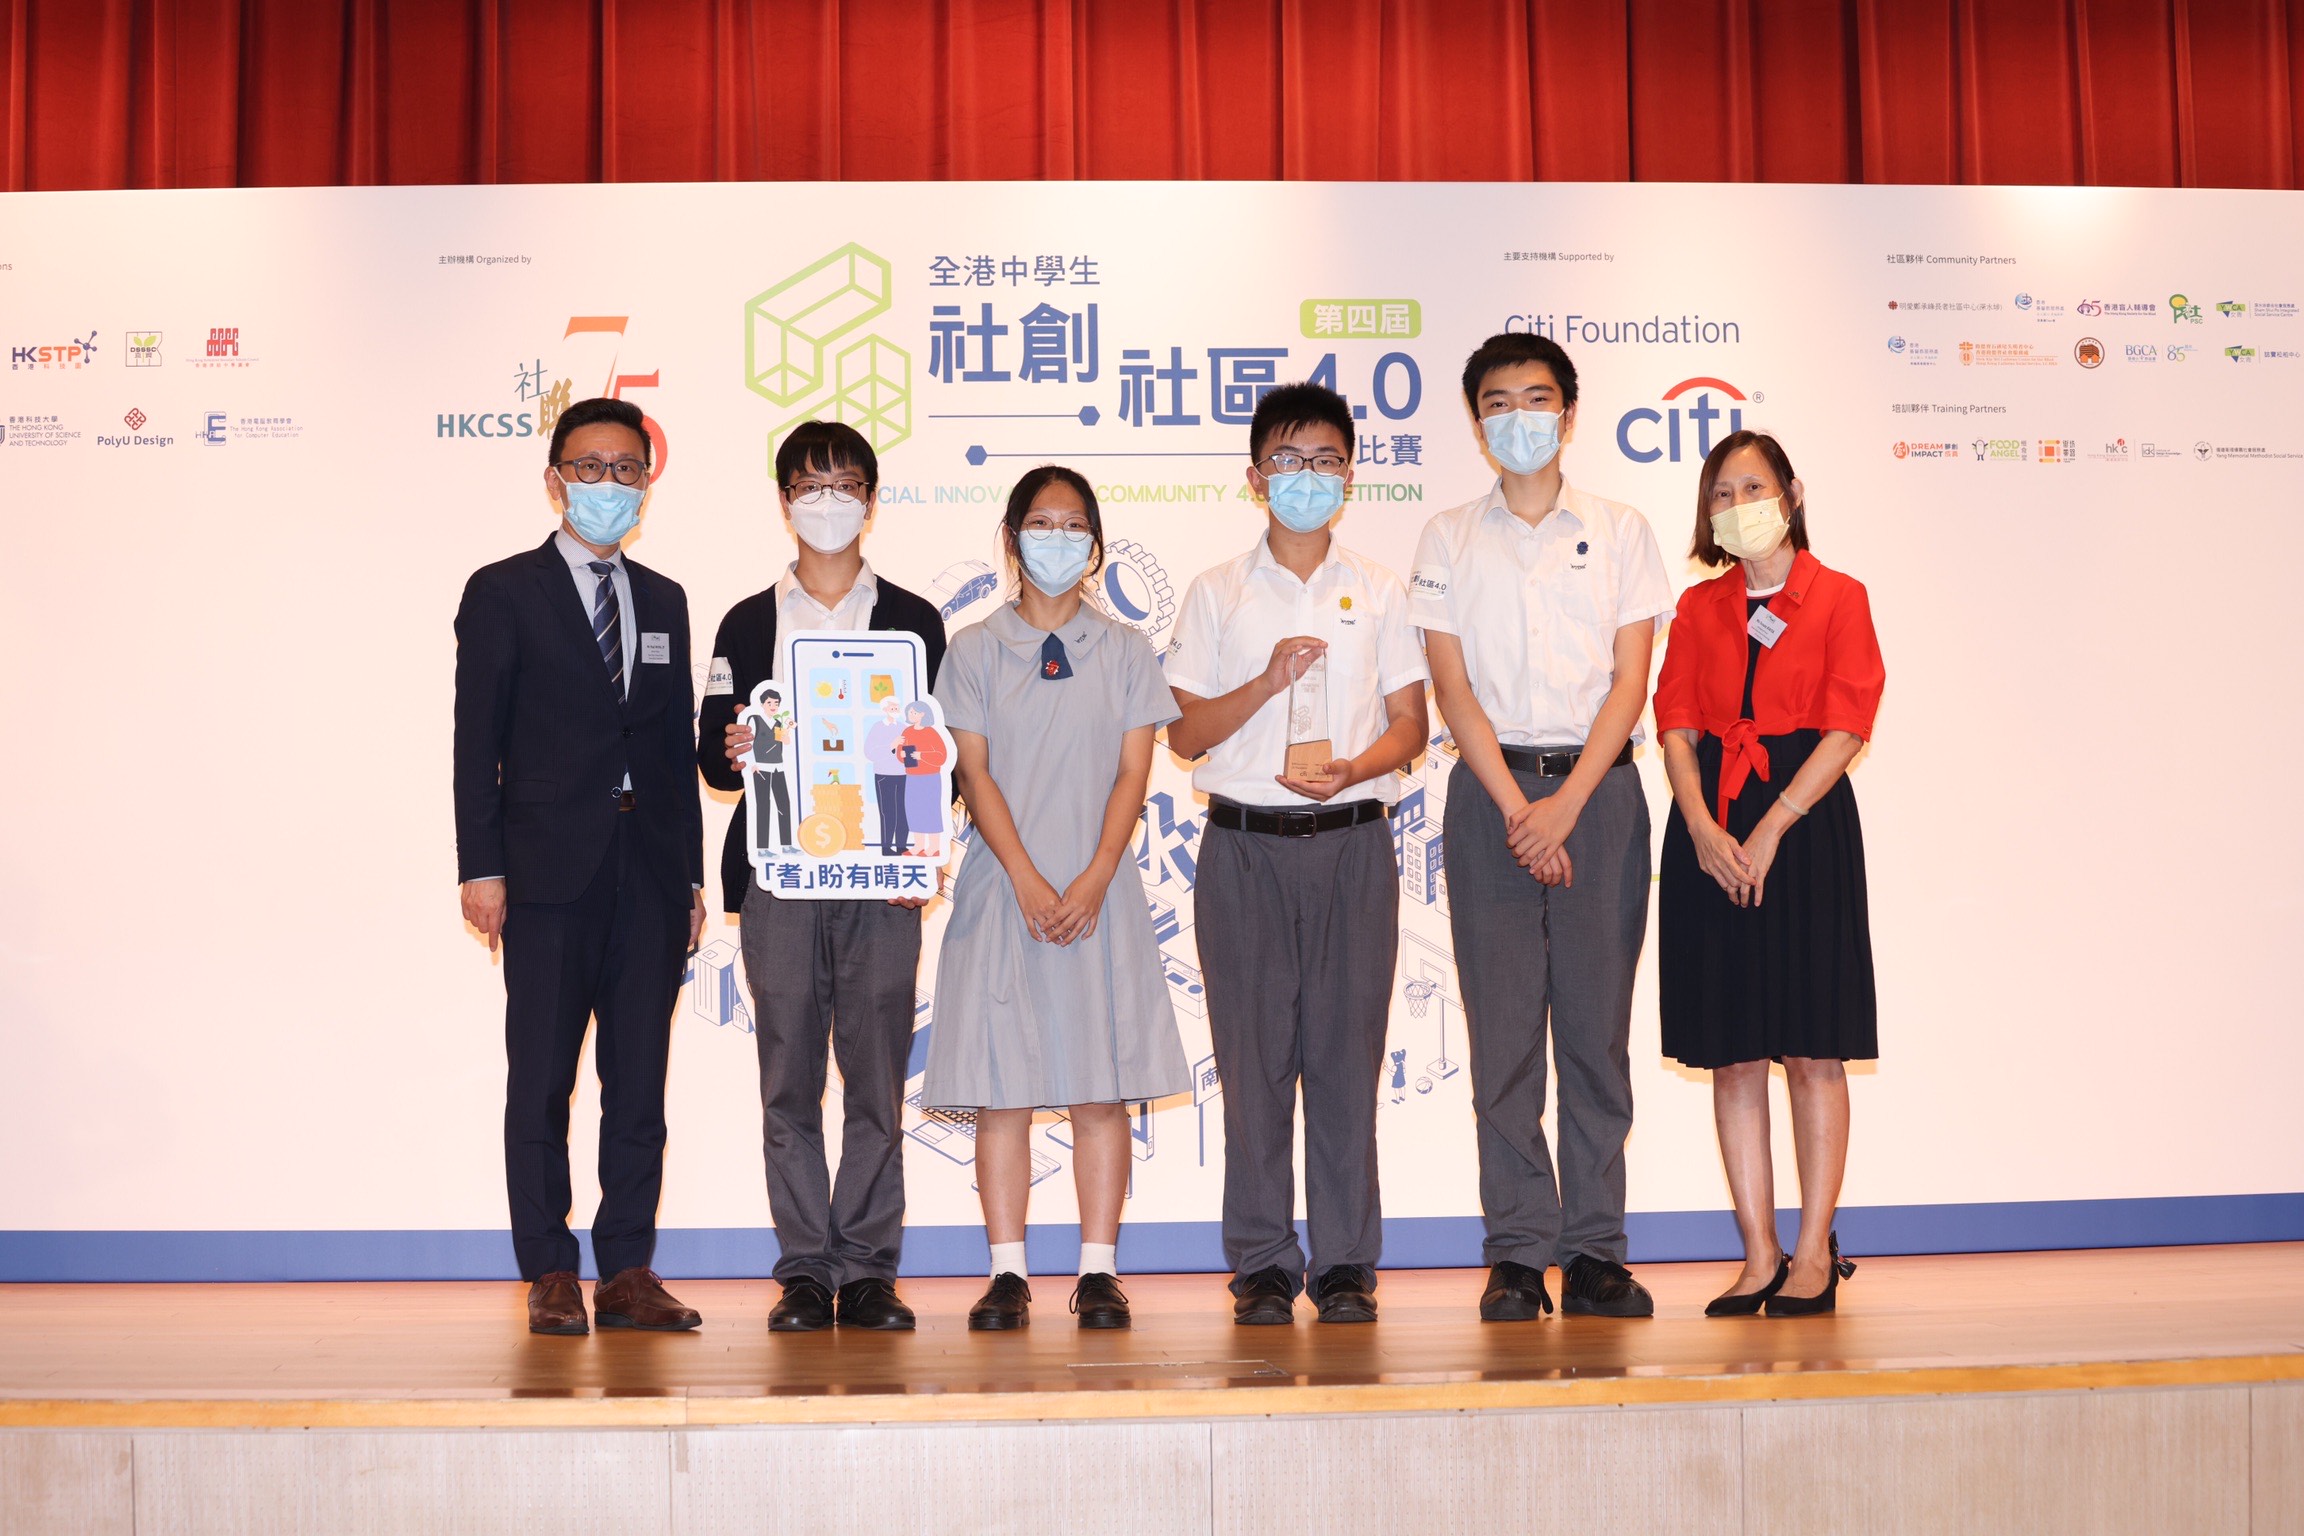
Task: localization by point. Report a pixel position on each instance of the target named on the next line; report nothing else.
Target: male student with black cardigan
(839, 1238)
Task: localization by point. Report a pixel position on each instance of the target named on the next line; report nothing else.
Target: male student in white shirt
(1297, 898)
(1540, 604)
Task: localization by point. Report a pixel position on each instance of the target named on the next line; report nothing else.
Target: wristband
(1792, 805)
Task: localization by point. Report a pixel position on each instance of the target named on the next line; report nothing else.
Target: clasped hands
(1537, 834)
(1741, 869)
(1064, 917)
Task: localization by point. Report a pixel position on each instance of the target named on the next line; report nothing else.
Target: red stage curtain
(195, 93)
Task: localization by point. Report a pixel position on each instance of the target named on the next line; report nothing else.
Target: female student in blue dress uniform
(1049, 990)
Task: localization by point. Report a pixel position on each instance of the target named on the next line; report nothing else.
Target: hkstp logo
(71, 354)
(1700, 412)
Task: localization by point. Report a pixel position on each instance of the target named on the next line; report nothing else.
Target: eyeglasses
(592, 471)
(1289, 463)
(804, 492)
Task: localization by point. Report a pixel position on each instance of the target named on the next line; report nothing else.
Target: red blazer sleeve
(1675, 697)
(1854, 674)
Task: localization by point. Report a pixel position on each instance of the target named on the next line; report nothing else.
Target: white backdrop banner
(255, 440)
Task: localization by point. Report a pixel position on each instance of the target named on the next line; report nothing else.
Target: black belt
(1293, 821)
(1552, 765)
(623, 797)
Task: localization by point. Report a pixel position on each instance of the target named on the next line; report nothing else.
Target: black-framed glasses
(803, 491)
(592, 471)
(1288, 463)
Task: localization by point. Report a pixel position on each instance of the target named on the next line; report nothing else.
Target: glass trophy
(1309, 748)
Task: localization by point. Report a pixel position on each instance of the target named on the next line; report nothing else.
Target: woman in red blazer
(1770, 683)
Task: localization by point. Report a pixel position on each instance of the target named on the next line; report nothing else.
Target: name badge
(1765, 628)
(656, 647)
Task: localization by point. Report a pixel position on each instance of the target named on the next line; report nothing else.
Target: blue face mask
(1053, 558)
(1523, 441)
(1305, 500)
(602, 514)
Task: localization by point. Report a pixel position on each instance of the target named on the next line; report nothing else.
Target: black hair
(1706, 550)
(591, 413)
(1509, 349)
(825, 446)
(773, 693)
(1030, 485)
(1298, 405)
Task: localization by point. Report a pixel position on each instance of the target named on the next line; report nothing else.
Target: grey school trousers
(847, 970)
(1534, 960)
(1298, 936)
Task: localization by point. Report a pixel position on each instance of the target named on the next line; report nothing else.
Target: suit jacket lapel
(559, 592)
(645, 621)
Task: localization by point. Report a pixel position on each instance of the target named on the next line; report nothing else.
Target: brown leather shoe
(556, 1304)
(637, 1299)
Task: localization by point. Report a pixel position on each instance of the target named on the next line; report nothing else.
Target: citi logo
(1700, 412)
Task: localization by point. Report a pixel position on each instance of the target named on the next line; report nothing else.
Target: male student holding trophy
(1302, 689)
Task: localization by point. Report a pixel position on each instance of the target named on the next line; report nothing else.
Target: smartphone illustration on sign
(868, 768)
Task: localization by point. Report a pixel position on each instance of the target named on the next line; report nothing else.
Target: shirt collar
(1566, 506)
(1261, 561)
(1080, 633)
(789, 583)
(579, 558)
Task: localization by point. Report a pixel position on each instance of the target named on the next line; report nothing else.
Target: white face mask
(1751, 531)
(827, 521)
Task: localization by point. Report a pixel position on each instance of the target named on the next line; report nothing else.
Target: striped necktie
(608, 624)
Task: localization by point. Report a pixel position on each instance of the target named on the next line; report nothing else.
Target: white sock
(1099, 1258)
(1008, 1259)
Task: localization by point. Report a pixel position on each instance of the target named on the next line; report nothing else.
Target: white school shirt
(1232, 617)
(1537, 609)
(795, 609)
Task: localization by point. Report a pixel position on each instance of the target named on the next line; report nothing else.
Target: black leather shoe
(1601, 1288)
(1099, 1302)
(1515, 1294)
(1345, 1293)
(805, 1308)
(1264, 1299)
(872, 1303)
(1823, 1301)
(1750, 1302)
(1007, 1304)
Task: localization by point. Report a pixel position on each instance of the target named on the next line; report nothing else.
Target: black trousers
(614, 953)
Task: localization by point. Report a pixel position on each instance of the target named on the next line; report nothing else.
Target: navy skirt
(1792, 976)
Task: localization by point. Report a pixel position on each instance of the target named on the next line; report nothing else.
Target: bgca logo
(70, 354)
(1686, 418)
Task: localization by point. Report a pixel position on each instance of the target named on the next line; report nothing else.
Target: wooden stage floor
(458, 1355)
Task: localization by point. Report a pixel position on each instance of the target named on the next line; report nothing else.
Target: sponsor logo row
(2180, 308)
(2087, 352)
(2066, 450)
(138, 430)
(222, 348)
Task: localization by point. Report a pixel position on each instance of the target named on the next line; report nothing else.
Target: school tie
(608, 624)
(1053, 662)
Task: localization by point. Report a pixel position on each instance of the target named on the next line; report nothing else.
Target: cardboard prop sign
(848, 785)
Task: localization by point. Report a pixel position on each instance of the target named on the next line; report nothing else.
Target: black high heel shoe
(1750, 1302)
(1824, 1300)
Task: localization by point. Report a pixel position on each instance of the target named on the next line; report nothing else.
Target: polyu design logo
(1701, 413)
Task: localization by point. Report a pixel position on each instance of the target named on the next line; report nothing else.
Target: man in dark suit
(843, 970)
(580, 844)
